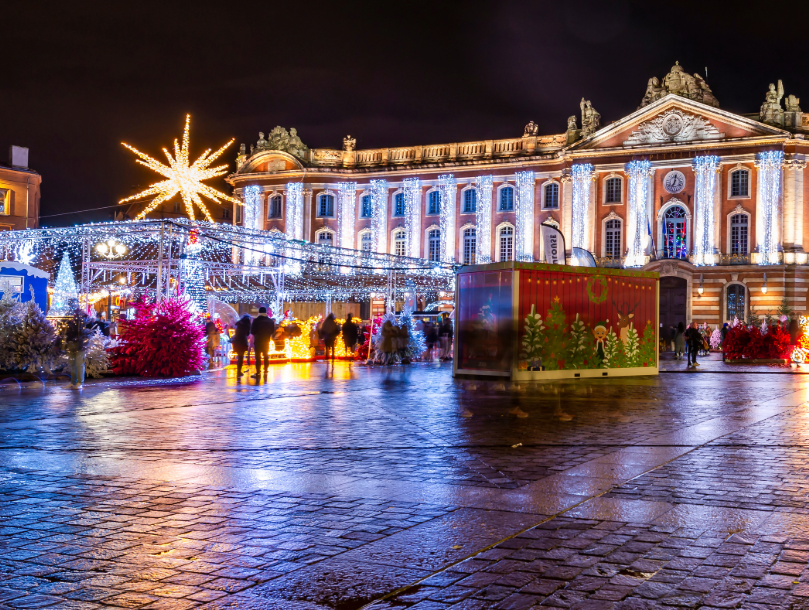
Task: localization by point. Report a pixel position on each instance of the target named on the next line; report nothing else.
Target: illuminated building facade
(712, 200)
(19, 192)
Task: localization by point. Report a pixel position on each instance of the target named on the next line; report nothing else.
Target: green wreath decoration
(591, 282)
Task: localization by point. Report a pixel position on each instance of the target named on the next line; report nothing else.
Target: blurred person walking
(262, 329)
(240, 342)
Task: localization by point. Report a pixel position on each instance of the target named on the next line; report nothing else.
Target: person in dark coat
(329, 331)
(794, 330)
(431, 338)
(240, 341)
(350, 333)
(445, 333)
(262, 329)
(694, 338)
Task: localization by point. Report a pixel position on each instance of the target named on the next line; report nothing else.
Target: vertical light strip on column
(379, 213)
(447, 187)
(582, 175)
(252, 217)
(346, 206)
(412, 201)
(483, 220)
(769, 166)
(705, 170)
(294, 211)
(637, 225)
(524, 216)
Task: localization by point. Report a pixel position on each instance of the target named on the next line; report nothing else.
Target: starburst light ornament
(183, 178)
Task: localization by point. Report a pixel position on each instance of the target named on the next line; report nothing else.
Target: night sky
(79, 78)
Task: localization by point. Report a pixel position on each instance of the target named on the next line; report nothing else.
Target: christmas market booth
(529, 321)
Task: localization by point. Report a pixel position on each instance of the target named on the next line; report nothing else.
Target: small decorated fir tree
(648, 348)
(417, 344)
(32, 340)
(577, 345)
(612, 349)
(65, 297)
(97, 360)
(532, 337)
(632, 347)
(555, 346)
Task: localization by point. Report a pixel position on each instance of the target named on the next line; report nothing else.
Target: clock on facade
(674, 182)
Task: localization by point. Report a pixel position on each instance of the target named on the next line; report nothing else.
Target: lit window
(612, 239)
(274, 209)
(398, 205)
(400, 243)
(325, 238)
(507, 199)
(613, 190)
(434, 203)
(366, 207)
(434, 245)
(506, 243)
(738, 234)
(469, 246)
(470, 201)
(552, 196)
(740, 183)
(365, 241)
(325, 205)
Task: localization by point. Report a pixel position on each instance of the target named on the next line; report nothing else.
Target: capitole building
(712, 200)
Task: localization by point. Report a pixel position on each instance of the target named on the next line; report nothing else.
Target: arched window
(507, 199)
(506, 243)
(365, 212)
(398, 204)
(736, 302)
(365, 241)
(552, 196)
(738, 234)
(325, 205)
(274, 207)
(674, 242)
(612, 238)
(434, 202)
(325, 238)
(434, 245)
(400, 242)
(740, 183)
(469, 246)
(612, 187)
(470, 201)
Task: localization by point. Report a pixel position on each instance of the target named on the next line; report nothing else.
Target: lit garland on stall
(582, 175)
(294, 210)
(705, 169)
(801, 351)
(769, 202)
(524, 215)
(183, 178)
(483, 220)
(379, 214)
(637, 231)
(346, 204)
(412, 201)
(447, 188)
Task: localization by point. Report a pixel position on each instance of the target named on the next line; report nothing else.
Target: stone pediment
(675, 120)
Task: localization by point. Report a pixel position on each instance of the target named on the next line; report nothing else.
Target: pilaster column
(793, 204)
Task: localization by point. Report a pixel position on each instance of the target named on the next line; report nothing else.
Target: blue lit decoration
(346, 206)
(253, 217)
(379, 214)
(674, 233)
(294, 211)
(637, 229)
(524, 216)
(582, 175)
(412, 201)
(769, 166)
(705, 169)
(447, 187)
(483, 220)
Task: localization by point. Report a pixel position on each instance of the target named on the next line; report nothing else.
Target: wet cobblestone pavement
(402, 488)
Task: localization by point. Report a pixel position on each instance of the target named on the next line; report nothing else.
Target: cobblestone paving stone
(332, 489)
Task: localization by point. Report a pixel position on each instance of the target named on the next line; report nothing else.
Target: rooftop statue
(590, 119)
(349, 143)
(771, 111)
(679, 82)
(530, 130)
(281, 139)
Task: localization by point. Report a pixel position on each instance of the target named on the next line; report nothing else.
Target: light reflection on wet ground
(332, 486)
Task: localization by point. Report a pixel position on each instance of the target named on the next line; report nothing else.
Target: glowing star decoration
(183, 178)
(801, 351)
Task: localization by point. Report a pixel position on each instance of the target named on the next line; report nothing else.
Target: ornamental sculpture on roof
(281, 139)
(679, 82)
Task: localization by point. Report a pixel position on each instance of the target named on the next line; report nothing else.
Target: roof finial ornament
(679, 82)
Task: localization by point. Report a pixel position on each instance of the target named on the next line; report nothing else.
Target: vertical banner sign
(554, 243)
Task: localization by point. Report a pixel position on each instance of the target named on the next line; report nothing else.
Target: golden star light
(183, 178)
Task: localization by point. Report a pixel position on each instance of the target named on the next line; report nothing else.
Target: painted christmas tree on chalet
(65, 297)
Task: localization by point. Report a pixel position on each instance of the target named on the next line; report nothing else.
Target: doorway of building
(673, 301)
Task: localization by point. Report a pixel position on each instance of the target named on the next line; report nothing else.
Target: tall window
(740, 183)
(398, 204)
(470, 201)
(325, 238)
(469, 246)
(736, 302)
(674, 233)
(325, 205)
(552, 196)
(612, 239)
(507, 199)
(506, 243)
(365, 212)
(225, 214)
(434, 245)
(434, 202)
(738, 234)
(365, 241)
(274, 209)
(613, 190)
(239, 210)
(400, 242)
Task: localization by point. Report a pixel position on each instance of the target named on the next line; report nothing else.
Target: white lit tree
(611, 350)
(65, 297)
(632, 347)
